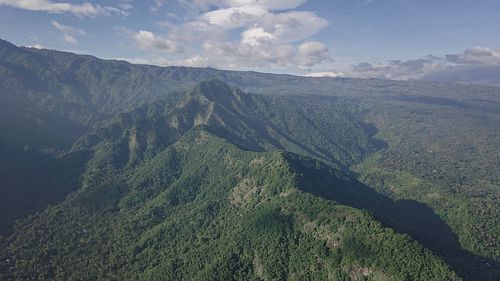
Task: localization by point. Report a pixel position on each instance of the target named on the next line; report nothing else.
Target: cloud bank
(475, 65)
(241, 34)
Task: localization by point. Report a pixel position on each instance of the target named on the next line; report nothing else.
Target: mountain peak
(214, 90)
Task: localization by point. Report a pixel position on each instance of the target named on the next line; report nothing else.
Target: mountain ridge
(162, 152)
(146, 207)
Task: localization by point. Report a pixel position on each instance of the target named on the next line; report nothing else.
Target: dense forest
(115, 171)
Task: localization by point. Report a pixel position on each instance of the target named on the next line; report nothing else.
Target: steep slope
(445, 156)
(252, 122)
(404, 215)
(203, 209)
(172, 195)
(29, 181)
(80, 90)
(442, 138)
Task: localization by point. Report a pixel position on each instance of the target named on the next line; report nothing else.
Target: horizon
(254, 71)
(451, 41)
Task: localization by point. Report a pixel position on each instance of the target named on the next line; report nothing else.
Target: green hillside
(117, 171)
(203, 209)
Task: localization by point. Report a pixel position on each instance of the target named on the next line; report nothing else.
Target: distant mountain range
(115, 171)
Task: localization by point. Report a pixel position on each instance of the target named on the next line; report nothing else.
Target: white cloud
(124, 6)
(477, 65)
(69, 33)
(204, 5)
(268, 4)
(124, 12)
(85, 9)
(488, 74)
(67, 29)
(312, 48)
(256, 36)
(236, 55)
(196, 32)
(330, 74)
(397, 70)
(477, 55)
(312, 53)
(36, 46)
(285, 27)
(148, 41)
(195, 61)
(234, 17)
(70, 39)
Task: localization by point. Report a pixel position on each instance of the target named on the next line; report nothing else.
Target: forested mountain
(117, 171)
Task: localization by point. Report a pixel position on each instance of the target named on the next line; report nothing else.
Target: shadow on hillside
(29, 181)
(405, 216)
(371, 130)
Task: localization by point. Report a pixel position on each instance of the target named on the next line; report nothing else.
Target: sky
(456, 40)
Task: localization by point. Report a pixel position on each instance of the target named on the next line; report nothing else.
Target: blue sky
(396, 39)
